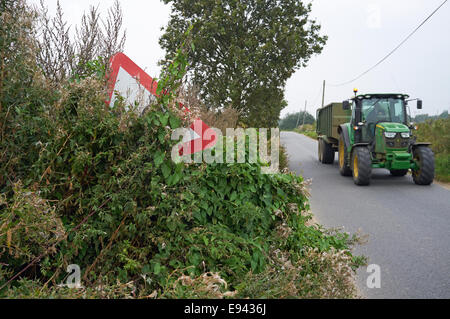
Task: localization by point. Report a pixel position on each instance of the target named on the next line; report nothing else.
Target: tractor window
(399, 114)
(383, 110)
(353, 111)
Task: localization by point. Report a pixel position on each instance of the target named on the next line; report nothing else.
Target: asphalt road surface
(408, 225)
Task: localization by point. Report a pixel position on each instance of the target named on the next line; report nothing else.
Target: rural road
(408, 225)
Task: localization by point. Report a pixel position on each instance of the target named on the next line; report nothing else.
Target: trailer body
(329, 118)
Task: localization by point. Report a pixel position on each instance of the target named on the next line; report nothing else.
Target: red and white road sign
(200, 137)
(128, 80)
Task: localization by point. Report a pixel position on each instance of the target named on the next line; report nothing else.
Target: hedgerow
(437, 133)
(85, 184)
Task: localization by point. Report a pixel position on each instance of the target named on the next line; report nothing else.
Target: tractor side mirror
(419, 104)
(346, 105)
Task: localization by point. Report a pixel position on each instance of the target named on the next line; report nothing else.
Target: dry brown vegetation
(60, 56)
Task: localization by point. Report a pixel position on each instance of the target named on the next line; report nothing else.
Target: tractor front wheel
(361, 166)
(424, 158)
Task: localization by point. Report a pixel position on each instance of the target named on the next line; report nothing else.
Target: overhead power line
(392, 52)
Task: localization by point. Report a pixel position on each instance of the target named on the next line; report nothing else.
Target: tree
(443, 115)
(424, 117)
(244, 51)
(289, 122)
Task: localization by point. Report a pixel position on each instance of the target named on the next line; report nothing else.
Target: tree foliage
(424, 117)
(244, 51)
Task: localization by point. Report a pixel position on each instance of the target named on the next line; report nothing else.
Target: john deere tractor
(373, 131)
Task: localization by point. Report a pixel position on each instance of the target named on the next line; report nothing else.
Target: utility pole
(304, 112)
(323, 94)
(298, 118)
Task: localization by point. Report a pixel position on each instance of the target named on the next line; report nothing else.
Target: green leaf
(156, 268)
(174, 122)
(164, 119)
(165, 168)
(146, 269)
(158, 158)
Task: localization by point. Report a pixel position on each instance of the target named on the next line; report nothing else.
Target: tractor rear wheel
(344, 167)
(361, 166)
(424, 158)
(399, 172)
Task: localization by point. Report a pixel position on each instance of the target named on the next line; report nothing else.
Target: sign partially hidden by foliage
(85, 185)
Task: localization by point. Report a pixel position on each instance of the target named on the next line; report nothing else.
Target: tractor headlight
(390, 134)
(405, 135)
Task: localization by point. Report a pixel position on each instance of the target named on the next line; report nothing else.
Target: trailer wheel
(344, 167)
(326, 153)
(399, 172)
(424, 157)
(361, 166)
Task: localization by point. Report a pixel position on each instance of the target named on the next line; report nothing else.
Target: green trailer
(329, 119)
(373, 131)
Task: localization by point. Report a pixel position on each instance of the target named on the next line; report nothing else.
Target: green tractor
(373, 131)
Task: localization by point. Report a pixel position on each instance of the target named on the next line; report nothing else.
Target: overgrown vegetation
(87, 185)
(308, 130)
(437, 132)
(294, 120)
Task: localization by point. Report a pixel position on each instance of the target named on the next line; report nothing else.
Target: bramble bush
(85, 184)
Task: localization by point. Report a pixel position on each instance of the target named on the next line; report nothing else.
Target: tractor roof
(382, 95)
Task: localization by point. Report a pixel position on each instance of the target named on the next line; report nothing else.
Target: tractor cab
(384, 116)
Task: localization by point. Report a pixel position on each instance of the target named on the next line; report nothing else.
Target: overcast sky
(360, 34)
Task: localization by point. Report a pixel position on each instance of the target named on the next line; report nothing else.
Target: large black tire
(361, 165)
(424, 156)
(327, 153)
(344, 167)
(399, 172)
